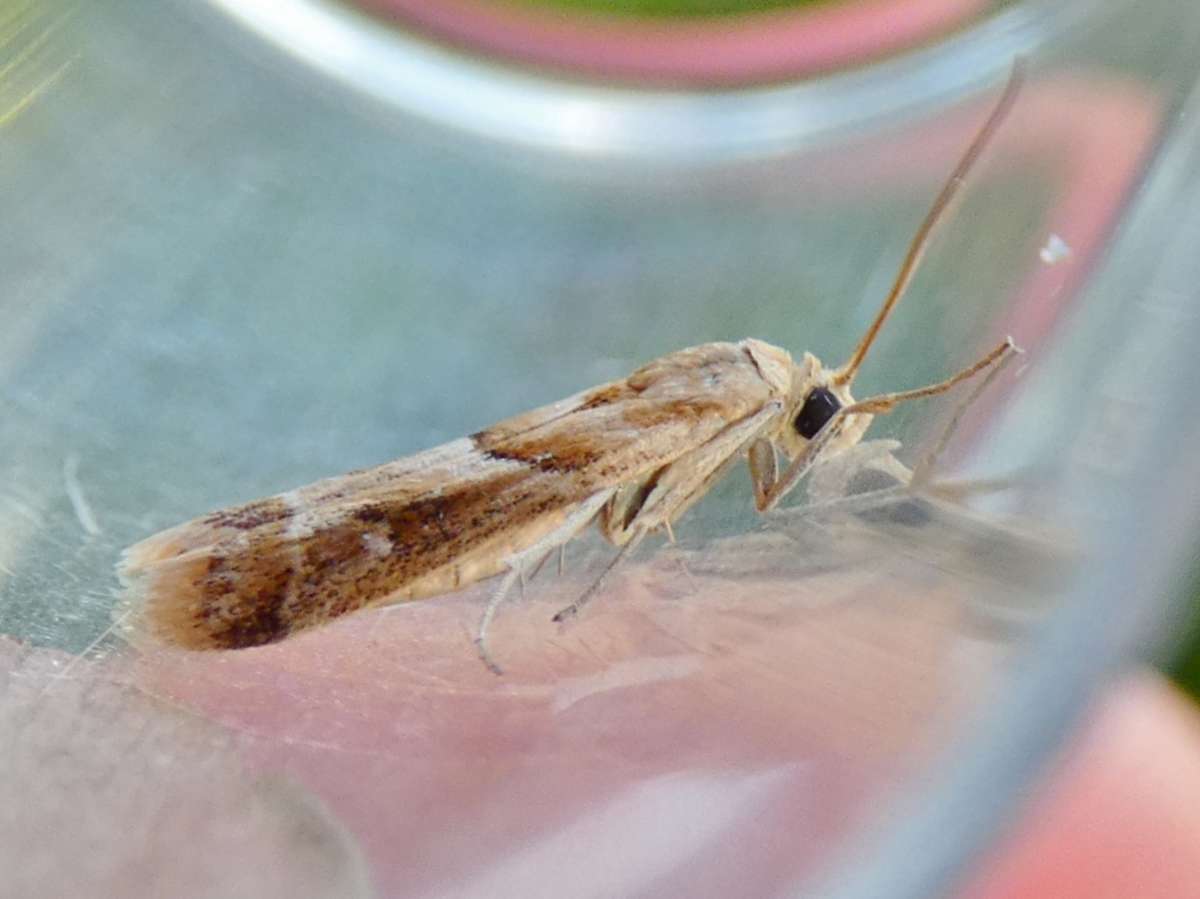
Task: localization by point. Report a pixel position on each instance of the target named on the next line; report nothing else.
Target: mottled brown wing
(615, 433)
(431, 522)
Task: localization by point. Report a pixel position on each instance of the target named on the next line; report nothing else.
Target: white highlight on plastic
(621, 848)
(83, 509)
(1055, 250)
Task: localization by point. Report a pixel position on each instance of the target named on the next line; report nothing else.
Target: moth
(630, 456)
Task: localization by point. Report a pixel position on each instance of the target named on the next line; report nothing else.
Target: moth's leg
(764, 470)
(517, 564)
(626, 502)
(562, 556)
(676, 488)
(886, 402)
(859, 470)
(875, 405)
(924, 467)
(585, 597)
(801, 464)
(541, 563)
(488, 614)
(685, 481)
(764, 467)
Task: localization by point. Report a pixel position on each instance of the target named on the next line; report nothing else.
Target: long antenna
(921, 241)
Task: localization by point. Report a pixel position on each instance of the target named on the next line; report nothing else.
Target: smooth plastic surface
(229, 270)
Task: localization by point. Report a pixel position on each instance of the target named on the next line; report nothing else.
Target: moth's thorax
(807, 375)
(774, 365)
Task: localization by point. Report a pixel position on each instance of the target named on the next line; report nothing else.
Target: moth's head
(817, 394)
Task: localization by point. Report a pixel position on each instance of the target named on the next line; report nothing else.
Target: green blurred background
(669, 7)
(1184, 666)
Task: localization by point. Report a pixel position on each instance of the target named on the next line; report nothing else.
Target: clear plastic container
(249, 245)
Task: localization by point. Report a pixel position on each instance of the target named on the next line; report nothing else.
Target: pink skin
(754, 47)
(448, 776)
(175, 797)
(1120, 815)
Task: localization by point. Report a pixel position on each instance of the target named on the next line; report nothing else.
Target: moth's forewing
(434, 521)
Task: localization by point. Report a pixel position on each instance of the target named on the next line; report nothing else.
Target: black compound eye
(819, 406)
